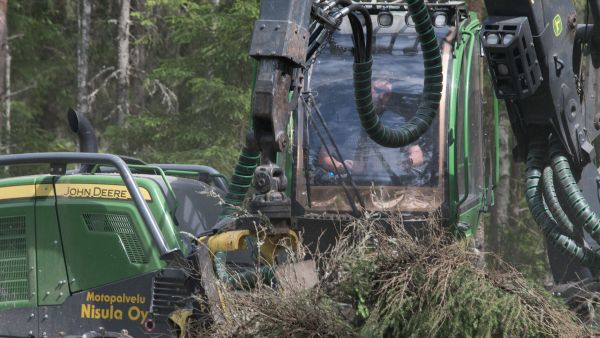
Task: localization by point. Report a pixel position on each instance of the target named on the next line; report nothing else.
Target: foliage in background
(205, 63)
(190, 78)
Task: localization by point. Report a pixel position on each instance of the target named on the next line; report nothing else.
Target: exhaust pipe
(88, 143)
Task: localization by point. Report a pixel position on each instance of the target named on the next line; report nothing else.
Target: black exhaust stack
(88, 143)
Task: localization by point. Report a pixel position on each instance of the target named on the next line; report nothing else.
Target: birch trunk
(138, 65)
(85, 13)
(123, 80)
(8, 126)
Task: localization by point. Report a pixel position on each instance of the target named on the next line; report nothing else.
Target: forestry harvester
(117, 247)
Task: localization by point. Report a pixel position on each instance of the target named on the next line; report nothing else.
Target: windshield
(335, 143)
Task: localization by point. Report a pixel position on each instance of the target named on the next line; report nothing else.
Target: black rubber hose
(430, 101)
(535, 201)
(575, 201)
(551, 199)
(358, 38)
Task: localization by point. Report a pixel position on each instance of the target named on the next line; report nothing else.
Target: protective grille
(120, 225)
(14, 275)
(169, 292)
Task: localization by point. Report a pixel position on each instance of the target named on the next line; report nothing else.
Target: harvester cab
(339, 170)
(387, 122)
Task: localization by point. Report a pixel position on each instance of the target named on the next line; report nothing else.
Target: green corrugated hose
(576, 204)
(241, 180)
(427, 110)
(535, 201)
(553, 203)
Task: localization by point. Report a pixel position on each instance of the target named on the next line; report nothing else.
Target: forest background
(169, 81)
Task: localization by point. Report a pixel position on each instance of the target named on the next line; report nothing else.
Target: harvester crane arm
(546, 67)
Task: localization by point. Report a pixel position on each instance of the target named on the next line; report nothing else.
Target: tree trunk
(123, 81)
(3, 70)
(7, 125)
(85, 13)
(138, 66)
(500, 217)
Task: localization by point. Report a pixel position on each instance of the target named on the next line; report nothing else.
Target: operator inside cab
(366, 161)
(335, 156)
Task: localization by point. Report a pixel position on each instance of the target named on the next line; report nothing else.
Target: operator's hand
(415, 155)
(349, 164)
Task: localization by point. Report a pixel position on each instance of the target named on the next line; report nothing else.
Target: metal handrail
(219, 180)
(122, 169)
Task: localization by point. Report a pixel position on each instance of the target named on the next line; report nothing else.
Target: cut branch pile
(385, 282)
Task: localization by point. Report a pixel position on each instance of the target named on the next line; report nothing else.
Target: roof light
(385, 18)
(440, 19)
(492, 39)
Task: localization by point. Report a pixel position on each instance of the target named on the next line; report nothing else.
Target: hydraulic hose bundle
(546, 207)
(426, 112)
(241, 180)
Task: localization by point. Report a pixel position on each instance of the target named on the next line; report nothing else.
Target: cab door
(466, 146)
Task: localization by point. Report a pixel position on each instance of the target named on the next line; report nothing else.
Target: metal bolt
(31, 315)
(73, 280)
(262, 27)
(60, 294)
(55, 242)
(46, 316)
(31, 332)
(47, 293)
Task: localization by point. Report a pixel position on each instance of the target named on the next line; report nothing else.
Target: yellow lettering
(144, 316)
(118, 314)
(89, 297)
(86, 310)
(135, 313)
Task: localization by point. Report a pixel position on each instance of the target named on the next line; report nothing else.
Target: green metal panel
(52, 282)
(17, 253)
(455, 83)
(470, 217)
(110, 234)
(460, 84)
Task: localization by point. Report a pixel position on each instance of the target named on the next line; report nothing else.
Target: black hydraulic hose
(551, 199)
(430, 101)
(575, 201)
(536, 159)
(358, 38)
